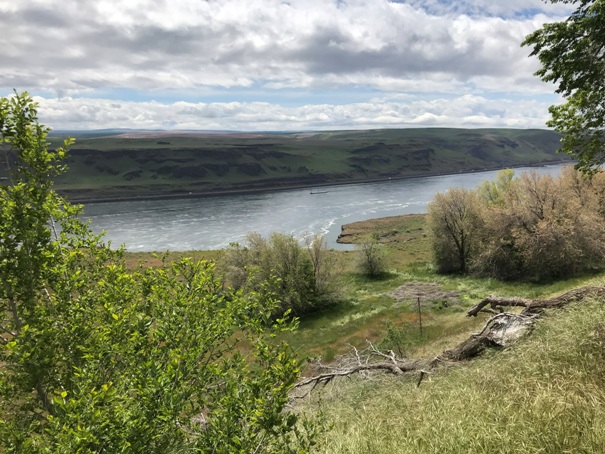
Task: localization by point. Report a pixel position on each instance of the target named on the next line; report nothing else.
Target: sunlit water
(214, 222)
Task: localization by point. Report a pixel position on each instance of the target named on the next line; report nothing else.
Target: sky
(276, 65)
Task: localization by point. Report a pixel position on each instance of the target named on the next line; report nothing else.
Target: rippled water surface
(214, 222)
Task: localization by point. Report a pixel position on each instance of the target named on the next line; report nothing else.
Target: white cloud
(461, 111)
(91, 54)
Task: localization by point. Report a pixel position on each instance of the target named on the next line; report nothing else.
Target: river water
(214, 222)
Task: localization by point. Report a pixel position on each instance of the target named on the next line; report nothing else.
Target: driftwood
(500, 330)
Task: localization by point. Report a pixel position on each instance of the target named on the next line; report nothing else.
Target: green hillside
(171, 164)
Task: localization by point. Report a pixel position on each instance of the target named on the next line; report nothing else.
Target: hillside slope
(176, 164)
(545, 394)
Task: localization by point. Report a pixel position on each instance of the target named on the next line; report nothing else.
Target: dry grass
(546, 394)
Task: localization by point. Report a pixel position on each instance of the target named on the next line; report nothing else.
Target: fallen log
(535, 306)
(500, 331)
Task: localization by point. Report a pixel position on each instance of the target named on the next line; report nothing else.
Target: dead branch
(573, 296)
(496, 303)
(534, 306)
(368, 360)
(500, 330)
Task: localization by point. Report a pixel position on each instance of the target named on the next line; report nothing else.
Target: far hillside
(118, 164)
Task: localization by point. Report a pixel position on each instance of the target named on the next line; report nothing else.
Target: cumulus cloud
(461, 111)
(90, 54)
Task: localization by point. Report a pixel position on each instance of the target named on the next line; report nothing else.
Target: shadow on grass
(381, 277)
(331, 311)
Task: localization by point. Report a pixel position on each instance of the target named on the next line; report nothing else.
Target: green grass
(545, 394)
(368, 308)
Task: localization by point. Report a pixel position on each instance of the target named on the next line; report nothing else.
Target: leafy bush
(303, 279)
(96, 358)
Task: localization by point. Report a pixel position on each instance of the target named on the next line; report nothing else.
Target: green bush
(302, 279)
(96, 358)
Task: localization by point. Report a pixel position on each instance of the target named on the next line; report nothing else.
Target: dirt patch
(428, 292)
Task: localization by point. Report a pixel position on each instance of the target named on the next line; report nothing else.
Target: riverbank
(404, 236)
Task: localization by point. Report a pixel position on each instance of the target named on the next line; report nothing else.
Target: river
(214, 222)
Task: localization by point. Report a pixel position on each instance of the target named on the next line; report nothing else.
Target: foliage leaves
(97, 358)
(572, 54)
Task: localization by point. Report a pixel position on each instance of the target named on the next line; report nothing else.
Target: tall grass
(546, 395)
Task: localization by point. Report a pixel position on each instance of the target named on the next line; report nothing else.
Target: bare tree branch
(499, 331)
(534, 306)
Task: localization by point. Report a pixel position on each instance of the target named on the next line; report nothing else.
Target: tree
(97, 358)
(302, 279)
(454, 222)
(572, 54)
(371, 257)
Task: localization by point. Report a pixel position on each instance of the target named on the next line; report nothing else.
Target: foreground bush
(95, 358)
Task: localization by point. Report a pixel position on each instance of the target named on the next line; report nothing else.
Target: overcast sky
(268, 65)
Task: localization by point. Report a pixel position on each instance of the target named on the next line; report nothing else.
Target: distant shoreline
(280, 188)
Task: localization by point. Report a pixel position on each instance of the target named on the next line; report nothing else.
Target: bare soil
(426, 292)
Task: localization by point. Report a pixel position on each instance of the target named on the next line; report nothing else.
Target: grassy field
(188, 164)
(545, 394)
(370, 306)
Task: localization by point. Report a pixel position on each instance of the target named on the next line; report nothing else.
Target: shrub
(371, 257)
(303, 279)
(530, 227)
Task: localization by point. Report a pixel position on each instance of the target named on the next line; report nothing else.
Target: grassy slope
(546, 394)
(118, 166)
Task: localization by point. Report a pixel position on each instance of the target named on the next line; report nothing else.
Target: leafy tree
(97, 358)
(572, 54)
(454, 222)
(302, 279)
